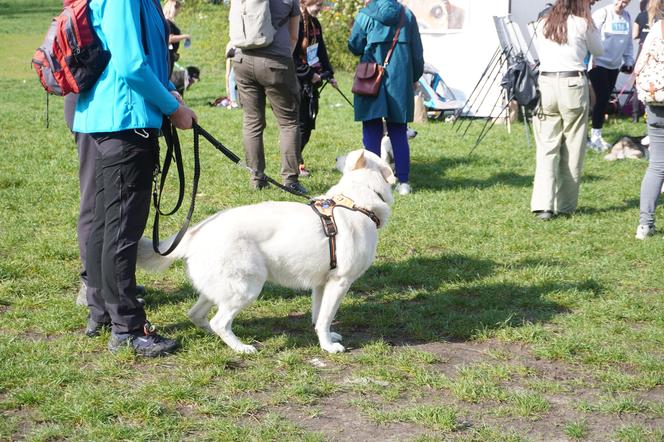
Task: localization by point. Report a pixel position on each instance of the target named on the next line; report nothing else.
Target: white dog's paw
(335, 347)
(335, 337)
(244, 348)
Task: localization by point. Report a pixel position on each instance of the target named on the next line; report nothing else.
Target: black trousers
(87, 153)
(124, 168)
(308, 114)
(603, 81)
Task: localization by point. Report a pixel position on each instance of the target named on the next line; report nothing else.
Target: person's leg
(401, 150)
(95, 242)
(573, 101)
(128, 161)
(599, 78)
(547, 127)
(372, 133)
(278, 78)
(304, 122)
(252, 96)
(654, 177)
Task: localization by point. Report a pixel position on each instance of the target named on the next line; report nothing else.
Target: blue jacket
(133, 91)
(371, 39)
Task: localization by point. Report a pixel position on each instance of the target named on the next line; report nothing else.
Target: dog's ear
(361, 162)
(387, 173)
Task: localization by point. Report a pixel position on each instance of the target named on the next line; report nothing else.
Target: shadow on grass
(629, 204)
(428, 313)
(431, 176)
(13, 10)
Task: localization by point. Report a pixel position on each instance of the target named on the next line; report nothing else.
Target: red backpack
(71, 58)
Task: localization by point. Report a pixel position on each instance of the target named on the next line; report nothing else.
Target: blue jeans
(372, 133)
(652, 181)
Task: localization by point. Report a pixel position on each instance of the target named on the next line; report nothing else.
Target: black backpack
(521, 83)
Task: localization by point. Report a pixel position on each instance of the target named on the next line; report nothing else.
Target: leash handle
(173, 144)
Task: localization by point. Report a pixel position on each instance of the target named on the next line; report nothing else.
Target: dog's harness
(325, 210)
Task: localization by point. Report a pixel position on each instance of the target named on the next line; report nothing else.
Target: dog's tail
(151, 261)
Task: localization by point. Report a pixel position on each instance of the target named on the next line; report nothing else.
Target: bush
(337, 23)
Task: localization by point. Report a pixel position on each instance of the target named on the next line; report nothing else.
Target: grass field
(476, 322)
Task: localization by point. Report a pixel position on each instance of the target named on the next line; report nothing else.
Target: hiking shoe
(544, 215)
(297, 188)
(598, 145)
(643, 231)
(303, 171)
(146, 343)
(403, 189)
(94, 328)
(260, 184)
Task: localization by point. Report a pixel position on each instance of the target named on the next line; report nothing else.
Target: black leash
(338, 90)
(234, 158)
(174, 152)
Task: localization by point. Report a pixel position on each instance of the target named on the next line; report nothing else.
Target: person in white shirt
(615, 25)
(654, 176)
(564, 37)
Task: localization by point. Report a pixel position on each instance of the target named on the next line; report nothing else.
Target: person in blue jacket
(373, 31)
(123, 113)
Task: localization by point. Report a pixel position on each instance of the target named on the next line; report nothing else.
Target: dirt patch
(338, 419)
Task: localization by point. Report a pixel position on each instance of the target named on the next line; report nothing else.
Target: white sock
(595, 134)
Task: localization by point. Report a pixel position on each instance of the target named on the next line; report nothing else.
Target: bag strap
(396, 37)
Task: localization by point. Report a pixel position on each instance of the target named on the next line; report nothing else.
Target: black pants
(123, 177)
(87, 153)
(308, 114)
(603, 81)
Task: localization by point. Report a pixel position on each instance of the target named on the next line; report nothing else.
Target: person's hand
(183, 117)
(628, 69)
(315, 79)
(177, 96)
(333, 82)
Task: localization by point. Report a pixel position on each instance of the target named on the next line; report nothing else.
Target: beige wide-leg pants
(560, 134)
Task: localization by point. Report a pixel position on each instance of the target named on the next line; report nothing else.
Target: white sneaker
(642, 232)
(403, 189)
(598, 145)
(645, 141)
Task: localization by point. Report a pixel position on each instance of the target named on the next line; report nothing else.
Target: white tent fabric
(460, 42)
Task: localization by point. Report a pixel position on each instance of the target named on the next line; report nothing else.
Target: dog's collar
(324, 208)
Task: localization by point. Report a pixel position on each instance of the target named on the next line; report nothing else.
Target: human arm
(121, 25)
(293, 26)
(628, 55)
(594, 40)
(173, 38)
(417, 50)
(358, 37)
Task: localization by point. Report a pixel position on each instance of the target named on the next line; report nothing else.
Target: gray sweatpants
(652, 181)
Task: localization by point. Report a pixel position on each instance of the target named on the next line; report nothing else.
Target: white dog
(231, 255)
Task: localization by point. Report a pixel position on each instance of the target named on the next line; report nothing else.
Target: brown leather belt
(564, 74)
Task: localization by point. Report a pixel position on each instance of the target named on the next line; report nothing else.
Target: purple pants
(372, 133)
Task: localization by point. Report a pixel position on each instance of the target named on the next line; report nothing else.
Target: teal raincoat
(371, 39)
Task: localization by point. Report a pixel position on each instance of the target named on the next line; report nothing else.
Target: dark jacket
(371, 38)
(323, 68)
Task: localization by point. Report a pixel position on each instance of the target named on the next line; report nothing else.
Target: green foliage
(337, 23)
